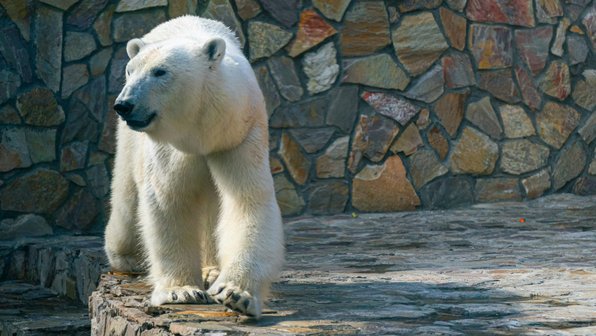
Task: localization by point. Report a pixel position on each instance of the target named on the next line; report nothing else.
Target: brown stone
(557, 47)
(497, 189)
(332, 163)
(136, 24)
(99, 62)
(265, 39)
(372, 138)
(585, 185)
(312, 139)
(182, 7)
(78, 45)
(14, 152)
(38, 107)
(450, 110)
(312, 30)
(247, 9)
(491, 46)
(103, 26)
(378, 71)
(366, 29)
(9, 115)
(569, 165)
(522, 156)
(556, 81)
(516, 122)
(41, 144)
(588, 129)
(73, 156)
(384, 188)
(537, 184)
(532, 45)
(297, 163)
(529, 92)
(424, 167)
(556, 122)
(500, 84)
(396, 108)
(423, 118)
(83, 13)
(327, 198)
(429, 86)
(415, 56)
(20, 12)
(332, 9)
(286, 12)
(583, 93)
(79, 212)
(39, 191)
(457, 70)
(514, 12)
(412, 5)
(474, 153)
(107, 141)
(438, 142)
(275, 165)
(547, 11)
(408, 142)
(290, 203)
(482, 114)
(455, 28)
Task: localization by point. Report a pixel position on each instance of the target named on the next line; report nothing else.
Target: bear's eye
(159, 72)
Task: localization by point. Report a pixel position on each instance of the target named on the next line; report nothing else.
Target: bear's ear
(214, 50)
(133, 47)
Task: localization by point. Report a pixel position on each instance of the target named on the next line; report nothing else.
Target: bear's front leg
(171, 239)
(249, 232)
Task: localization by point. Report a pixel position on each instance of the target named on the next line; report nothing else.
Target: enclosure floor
(494, 269)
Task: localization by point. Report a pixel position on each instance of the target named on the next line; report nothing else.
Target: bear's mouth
(138, 125)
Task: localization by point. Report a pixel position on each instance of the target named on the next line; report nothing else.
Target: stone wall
(374, 105)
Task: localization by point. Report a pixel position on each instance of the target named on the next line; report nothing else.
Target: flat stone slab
(494, 269)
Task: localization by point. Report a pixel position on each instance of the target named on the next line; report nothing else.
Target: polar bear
(192, 195)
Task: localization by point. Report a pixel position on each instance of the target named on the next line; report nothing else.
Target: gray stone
(82, 15)
(286, 12)
(547, 11)
(25, 226)
(98, 180)
(99, 62)
(79, 124)
(482, 114)
(79, 212)
(585, 185)
(247, 9)
(38, 107)
(557, 46)
(62, 4)
(107, 141)
(327, 198)
(312, 139)
(265, 39)
(516, 122)
(556, 80)
(73, 156)
(39, 191)
(93, 97)
(222, 10)
(577, 48)
(377, 70)
(583, 93)
(283, 72)
(136, 24)
(306, 113)
(439, 194)
(78, 45)
(429, 86)
(19, 12)
(272, 100)
(343, 107)
(412, 5)
(117, 65)
(48, 40)
(290, 203)
(588, 129)
(556, 122)
(372, 138)
(41, 144)
(458, 70)
(73, 77)
(589, 22)
(396, 108)
(321, 68)
(424, 167)
(500, 84)
(332, 163)
(103, 25)
(76, 179)
(14, 152)
(13, 49)
(532, 46)
(569, 165)
(9, 83)
(438, 142)
(537, 184)
(497, 189)
(334, 10)
(522, 156)
(474, 153)
(9, 115)
(133, 5)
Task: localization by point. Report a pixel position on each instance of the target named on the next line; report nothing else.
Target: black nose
(123, 108)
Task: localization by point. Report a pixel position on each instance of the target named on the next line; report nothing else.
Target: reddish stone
(455, 28)
(497, 189)
(366, 29)
(312, 30)
(500, 84)
(438, 142)
(450, 110)
(457, 70)
(491, 46)
(530, 95)
(532, 45)
(515, 12)
(396, 108)
(556, 82)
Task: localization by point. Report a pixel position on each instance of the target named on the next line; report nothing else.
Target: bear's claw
(236, 299)
(186, 294)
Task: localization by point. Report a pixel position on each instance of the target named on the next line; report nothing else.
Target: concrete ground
(494, 269)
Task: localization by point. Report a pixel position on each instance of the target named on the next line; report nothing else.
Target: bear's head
(164, 82)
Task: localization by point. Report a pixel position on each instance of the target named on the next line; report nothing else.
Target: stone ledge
(508, 268)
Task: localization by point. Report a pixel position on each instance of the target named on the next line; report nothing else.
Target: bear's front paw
(236, 299)
(210, 274)
(186, 294)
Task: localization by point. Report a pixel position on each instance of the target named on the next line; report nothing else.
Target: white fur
(193, 189)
